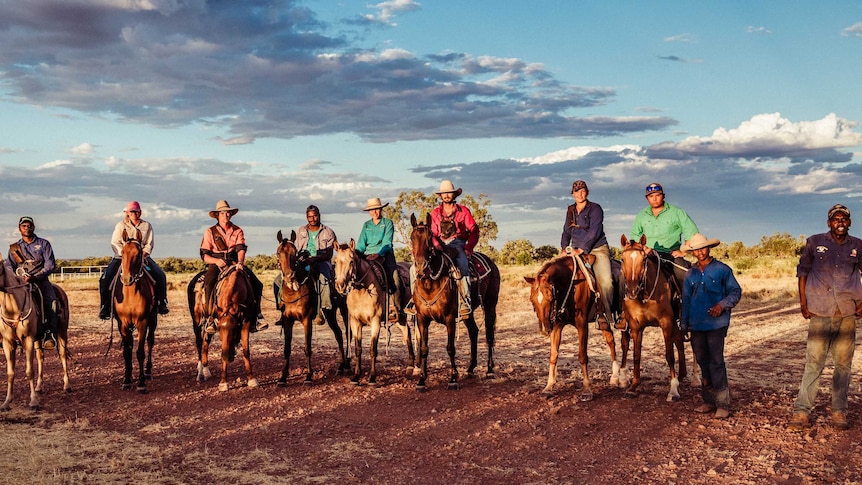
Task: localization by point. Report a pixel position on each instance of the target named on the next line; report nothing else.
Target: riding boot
(209, 322)
(464, 308)
(104, 298)
(49, 337)
(601, 316)
(410, 307)
(256, 324)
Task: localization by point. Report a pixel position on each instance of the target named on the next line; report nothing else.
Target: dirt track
(493, 431)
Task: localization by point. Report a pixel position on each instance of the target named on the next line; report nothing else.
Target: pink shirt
(465, 225)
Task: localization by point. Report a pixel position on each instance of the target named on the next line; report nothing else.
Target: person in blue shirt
(708, 293)
(375, 239)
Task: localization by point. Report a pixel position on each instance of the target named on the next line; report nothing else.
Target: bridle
(288, 277)
(129, 280)
(428, 256)
(640, 288)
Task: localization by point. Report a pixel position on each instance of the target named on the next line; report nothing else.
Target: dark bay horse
(648, 303)
(234, 310)
(561, 295)
(135, 310)
(436, 299)
(27, 266)
(298, 303)
(362, 283)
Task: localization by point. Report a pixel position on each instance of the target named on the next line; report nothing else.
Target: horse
(298, 303)
(403, 295)
(648, 303)
(363, 285)
(234, 310)
(20, 324)
(134, 309)
(562, 295)
(435, 296)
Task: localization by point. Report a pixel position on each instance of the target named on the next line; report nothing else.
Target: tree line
(517, 252)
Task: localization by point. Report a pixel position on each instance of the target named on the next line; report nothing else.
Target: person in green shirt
(375, 239)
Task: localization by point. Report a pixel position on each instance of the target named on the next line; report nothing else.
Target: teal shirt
(311, 247)
(666, 231)
(376, 238)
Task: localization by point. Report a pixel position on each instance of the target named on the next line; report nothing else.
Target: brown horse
(27, 266)
(134, 310)
(561, 295)
(234, 310)
(298, 303)
(362, 283)
(435, 296)
(648, 303)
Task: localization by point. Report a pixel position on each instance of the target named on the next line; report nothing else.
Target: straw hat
(374, 203)
(222, 206)
(446, 187)
(699, 241)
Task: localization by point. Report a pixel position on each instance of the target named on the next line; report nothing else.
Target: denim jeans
(708, 349)
(835, 336)
(461, 261)
(604, 279)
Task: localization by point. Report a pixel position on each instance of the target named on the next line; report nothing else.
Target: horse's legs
(152, 322)
(308, 326)
(63, 342)
(226, 357)
(128, 341)
(407, 338)
(450, 348)
(423, 351)
(584, 359)
(625, 341)
(670, 334)
(473, 332)
(375, 334)
(637, 340)
(141, 355)
(490, 336)
(287, 329)
(556, 337)
(40, 361)
(9, 352)
(356, 330)
(330, 315)
(29, 350)
(615, 367)
(251, 381)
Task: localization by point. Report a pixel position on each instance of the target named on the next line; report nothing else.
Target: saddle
(376, 265)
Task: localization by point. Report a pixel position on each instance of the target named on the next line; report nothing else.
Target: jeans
(161, 286)
(827, 335)
(461, 261)
(708, 349)
(604, 280)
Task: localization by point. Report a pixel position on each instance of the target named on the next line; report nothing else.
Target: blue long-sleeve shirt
(832, 273)
(42, 254)
(702, 290)
(584, 230)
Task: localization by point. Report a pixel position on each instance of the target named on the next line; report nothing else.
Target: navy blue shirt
(584, 230)
(833, 284)
(702, 290)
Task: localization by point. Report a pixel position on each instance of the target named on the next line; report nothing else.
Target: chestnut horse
(27, 266)
(134, 309)
(435, 296)
(561, 295)
(648, 303)
(362, 283)
(234, 310)
(298, 303)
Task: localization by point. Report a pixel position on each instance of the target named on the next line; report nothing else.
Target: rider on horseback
(224, 244)
(375, 239)
(453, 226)
(584, 233)
(132, 222)
(666, 228)
(39, 253)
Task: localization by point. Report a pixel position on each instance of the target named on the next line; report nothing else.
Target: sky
(746, 112)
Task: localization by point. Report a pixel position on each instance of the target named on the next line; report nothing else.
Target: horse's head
(633, 261)
(421, 244)
(550, 291)
(132, 265)
(542, 297)
(23, 265)
(235, 305)
(344, 261)
(286, 254)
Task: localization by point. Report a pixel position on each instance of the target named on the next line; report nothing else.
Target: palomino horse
(562, 295)
(435, 296)
(362, 283)
(134, 310)
(20, 317)
(234, 310)
(298, 303)
(648, 303)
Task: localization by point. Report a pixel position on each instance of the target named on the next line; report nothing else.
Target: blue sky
(747, 113)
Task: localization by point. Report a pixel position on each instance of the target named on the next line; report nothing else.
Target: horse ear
(428, 219)
(643, 240)
(278, 236)
(292, 235)
(125, 236)
(529, 279)
(352, 244)
(138, 235)
(412, 219)
(624, 240)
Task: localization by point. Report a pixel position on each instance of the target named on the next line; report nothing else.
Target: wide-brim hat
(374, 203)
(447, 187)
(222, 206)
(699, 241)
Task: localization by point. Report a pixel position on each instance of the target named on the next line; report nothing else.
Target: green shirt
(666, 231)
(312, 242)
(376, 239)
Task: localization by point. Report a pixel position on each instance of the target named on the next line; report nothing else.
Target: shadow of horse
(648, 303)
(233, 312)
(561, 295)
(298, 301)
(435, 296)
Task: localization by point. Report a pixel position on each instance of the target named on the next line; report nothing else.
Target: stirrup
(49, 341)
(210, 326)
(410, 309)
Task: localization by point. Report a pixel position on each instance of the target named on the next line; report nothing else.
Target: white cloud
(389, 9)
(687, 38)
(83, 149)
(757, 30)
(854, 30)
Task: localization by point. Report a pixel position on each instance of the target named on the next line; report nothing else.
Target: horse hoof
(127, 387)
(307, 381)
(421, 388)
(142, 390)
(252, 383)
(223, 387)
(416, 372)
(355, 382)
(148, 377)
(68, 390)
(281, 383)
(630, 394)
(585, 397)
(453, 386)
(671, 398)
(490, 375)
